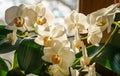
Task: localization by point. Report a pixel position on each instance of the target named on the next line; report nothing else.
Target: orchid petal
(10, 14)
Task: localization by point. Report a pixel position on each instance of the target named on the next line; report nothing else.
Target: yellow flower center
(78, 46)
(47, 41)
(10, 37)
(19, 21)
(41, 20)
(55, 59)
(87, 63)
(101, 22)
(80, 28)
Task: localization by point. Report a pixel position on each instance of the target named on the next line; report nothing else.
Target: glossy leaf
(3, 67)
(3, 73)
(117, 17)
(4, 31)
(42, 71)
(15, 61)
(15, 72)
(6, 46)
(29, 55)
(103, 71)
(107, 58)
(116, 40)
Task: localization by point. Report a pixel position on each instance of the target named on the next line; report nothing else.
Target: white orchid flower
(84, 60)
(76, 20)
(103, 17)
(47, 38)
(44, 16)
(12, 37)
(91, 70)
(112, 8)
(20, 17)
(74, 72)
(56, 70)
(59, 54)
(77, 43)
(94, 35)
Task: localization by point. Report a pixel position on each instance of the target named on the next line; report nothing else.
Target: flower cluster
(38, 22)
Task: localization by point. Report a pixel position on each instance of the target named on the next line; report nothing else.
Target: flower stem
(83, 38)
(101, 49)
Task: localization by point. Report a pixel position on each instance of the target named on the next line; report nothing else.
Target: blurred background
(60, 8)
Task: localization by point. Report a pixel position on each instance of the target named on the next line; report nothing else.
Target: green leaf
(42, 71)
(109, 57)
(15, 72)
(3, 73)
(3, 67)
(103, 57)
(6, 46)
(15, 61)
(103, 71)
(29, 55)
(116, 40)
(4, 31)
(117, 17)
(2, 37)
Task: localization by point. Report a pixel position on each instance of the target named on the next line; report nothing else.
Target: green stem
(76, 62)
(83, 38)
(101, 49)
